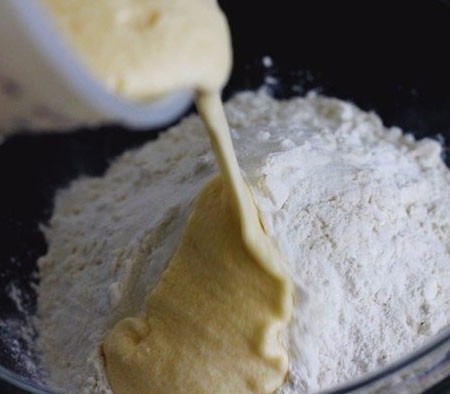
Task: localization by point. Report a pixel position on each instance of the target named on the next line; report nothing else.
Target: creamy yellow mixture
(213, 323)
(143, 49)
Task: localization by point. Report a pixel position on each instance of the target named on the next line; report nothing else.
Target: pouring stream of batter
(213, 323)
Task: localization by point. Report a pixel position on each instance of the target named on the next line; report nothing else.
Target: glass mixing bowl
(389, 57)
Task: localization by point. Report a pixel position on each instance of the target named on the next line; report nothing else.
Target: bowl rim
(439, 341)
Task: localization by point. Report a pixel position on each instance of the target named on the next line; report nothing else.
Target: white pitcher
(43, 84)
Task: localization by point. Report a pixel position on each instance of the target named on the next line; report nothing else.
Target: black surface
(6, 388)
(388, 56)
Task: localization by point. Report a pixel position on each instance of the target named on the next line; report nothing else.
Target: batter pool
(342, 197)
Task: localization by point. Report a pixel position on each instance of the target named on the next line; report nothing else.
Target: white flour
(360, 212)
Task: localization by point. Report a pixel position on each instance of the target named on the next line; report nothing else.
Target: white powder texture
(360, 212)
(18, 334)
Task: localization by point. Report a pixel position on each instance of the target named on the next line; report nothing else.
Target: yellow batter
(213, 323)
(143, 49)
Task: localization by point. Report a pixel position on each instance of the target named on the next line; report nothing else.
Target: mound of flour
(360, 212)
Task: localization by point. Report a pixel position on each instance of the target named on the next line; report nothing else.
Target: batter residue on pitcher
(213, 322)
